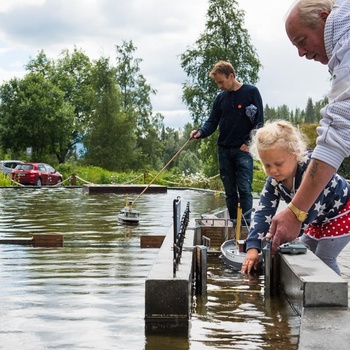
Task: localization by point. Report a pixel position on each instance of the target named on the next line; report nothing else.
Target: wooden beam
(152, 241)
(48, 240)
(16, 240)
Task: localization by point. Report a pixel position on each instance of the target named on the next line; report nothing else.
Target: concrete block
(169, 298)
(324, 329)
(309, 282)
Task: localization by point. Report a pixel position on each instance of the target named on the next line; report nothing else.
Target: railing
(180, 227)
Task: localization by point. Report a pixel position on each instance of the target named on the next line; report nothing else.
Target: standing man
(320, 30)
(237, 110)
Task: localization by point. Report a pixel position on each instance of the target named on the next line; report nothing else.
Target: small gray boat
(129, 216)
(234, 254)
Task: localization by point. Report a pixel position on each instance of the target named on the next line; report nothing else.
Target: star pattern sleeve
(260, 224)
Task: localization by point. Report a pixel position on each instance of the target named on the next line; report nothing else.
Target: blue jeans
(236, 172)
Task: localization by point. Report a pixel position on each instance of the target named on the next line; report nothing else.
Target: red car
(36, 174)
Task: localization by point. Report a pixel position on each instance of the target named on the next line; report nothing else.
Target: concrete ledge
(168, 298)
(324, 329)
(309, 282)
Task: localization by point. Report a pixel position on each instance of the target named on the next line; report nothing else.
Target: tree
(283, 112)
(309, 112)
(136, 103)
(270, 113)
(33, 113)
(110, 137)
(318, 106)
(71, 73)
(224, 38)
(171, 141)
(188, 162)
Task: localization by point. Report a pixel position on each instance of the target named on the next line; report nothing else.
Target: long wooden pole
(176, 154)
(239, 223)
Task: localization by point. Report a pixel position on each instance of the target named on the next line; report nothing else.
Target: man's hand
(244, 148)
(195, 134)
(284, 228)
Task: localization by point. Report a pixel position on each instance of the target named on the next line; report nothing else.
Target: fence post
(201, 270)
(176, 226)
(73, 179)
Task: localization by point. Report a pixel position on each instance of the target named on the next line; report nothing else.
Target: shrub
(5, 180)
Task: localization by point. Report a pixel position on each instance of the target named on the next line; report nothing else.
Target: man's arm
(284, 226)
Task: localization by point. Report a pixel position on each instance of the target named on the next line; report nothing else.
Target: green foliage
(344, 169)
(310, 115)
(109, 140)
(97, 175)
(310, 112)
(209, 155)
(259, 177)
(310, 132)
(174, 178)
(33, 113)
(5, 180)
(71, 74)
(188, 162)
(136, 104)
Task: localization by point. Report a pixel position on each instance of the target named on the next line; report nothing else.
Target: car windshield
(24, 167)
(11, 165)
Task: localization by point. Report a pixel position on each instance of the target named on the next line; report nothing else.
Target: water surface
(90, 293)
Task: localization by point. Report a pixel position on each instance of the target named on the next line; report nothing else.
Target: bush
(5, 180)
(259, 177)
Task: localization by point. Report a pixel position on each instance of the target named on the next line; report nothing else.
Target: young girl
(281, 148)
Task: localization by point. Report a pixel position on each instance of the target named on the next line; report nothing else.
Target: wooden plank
(123, 189)
(152, 241)
(16, 240)
(216, 235)
(48, 240)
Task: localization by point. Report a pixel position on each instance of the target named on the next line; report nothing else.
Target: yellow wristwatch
(300, 215)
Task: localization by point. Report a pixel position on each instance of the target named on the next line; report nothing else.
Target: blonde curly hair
(278, 134)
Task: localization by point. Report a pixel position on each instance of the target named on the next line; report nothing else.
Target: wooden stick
(239, 222)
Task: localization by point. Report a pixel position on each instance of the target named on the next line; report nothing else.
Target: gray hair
(309, 10)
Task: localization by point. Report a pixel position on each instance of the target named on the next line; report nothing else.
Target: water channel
(90, 293)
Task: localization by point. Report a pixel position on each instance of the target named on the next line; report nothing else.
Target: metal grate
(180, 227)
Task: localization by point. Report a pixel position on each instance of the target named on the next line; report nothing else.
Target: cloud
(161, 30)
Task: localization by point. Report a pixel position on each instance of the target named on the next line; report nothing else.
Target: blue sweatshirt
(236, 113)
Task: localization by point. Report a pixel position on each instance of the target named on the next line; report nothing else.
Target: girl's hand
(251, 261)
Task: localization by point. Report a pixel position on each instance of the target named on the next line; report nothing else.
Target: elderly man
(320, 30)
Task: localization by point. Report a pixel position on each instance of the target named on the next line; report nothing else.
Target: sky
(161, 30)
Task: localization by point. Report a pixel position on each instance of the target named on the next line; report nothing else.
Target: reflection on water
(90, 294)
(237, 315)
